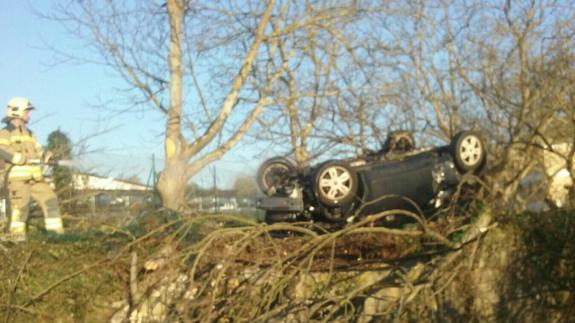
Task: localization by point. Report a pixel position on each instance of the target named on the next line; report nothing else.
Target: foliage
(61, 146)
(543, 276)
(57, 280)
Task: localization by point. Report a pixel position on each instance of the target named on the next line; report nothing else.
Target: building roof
(93, 182)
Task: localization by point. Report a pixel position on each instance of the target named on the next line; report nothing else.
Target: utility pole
(152, 181)
(215, 184)
(216, 207)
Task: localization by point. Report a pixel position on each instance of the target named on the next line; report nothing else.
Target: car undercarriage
(399, 177)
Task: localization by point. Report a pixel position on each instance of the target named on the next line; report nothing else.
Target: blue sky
(65, 94)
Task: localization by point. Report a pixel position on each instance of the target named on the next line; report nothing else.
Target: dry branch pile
(285, 272)
(233, 269)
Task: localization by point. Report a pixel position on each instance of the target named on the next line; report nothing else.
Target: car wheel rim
(335, 183)
(470, 150)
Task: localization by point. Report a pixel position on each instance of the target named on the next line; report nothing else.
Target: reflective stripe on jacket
(26, 172)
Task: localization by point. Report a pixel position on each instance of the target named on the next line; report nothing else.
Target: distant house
(557, 147)
(83, 182)
(560, 180)
(109, 191)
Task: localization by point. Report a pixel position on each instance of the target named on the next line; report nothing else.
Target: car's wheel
(335, 184)
(274, 175)
(468, 151)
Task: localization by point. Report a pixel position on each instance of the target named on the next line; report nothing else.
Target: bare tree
(483, 66)
(302, 97)
(178, 169)
(161, 50)
(554, 124)
(182, 58)
(511, 53)
(330, 73)
(334, 90)
(439, 67)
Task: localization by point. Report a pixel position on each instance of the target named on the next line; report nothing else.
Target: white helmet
(17, 106)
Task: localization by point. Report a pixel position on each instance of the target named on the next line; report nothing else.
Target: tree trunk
(173, 179)
(301, 155)
(172, 185)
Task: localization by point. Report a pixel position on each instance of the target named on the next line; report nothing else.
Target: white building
(82, 182)
(101, 192)
(555, 165)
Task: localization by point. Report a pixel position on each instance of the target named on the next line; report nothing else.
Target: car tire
(273, 174)
(468, 152)
(335, 184)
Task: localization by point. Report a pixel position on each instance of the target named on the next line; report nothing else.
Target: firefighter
(24, 180)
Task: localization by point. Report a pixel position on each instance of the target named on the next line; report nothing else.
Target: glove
(18, 159)
(47, 157)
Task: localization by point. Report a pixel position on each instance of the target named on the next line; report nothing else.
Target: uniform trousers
(20, 192)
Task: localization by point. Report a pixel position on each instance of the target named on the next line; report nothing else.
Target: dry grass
(231, 268)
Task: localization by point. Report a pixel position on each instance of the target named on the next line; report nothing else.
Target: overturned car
(397, 177)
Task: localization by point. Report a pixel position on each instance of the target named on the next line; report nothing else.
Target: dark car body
(334, 191)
